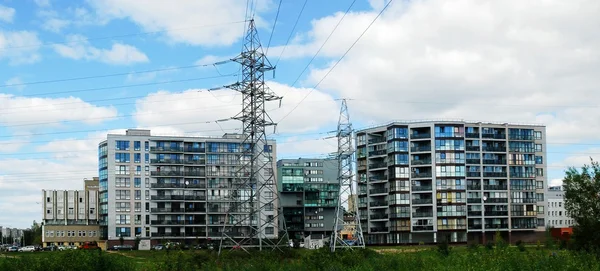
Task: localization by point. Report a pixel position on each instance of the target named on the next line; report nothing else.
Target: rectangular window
(268, 148)
(538, 147)
(137, 145)
(147, 194)
(539, 160)
(147, 182)
(147, 158)
(137, 182)
(537, 135)
(138, 207)
(138, 194)
(122, 157)
(123, 232)
(137, 157)
(539, 172)
(146, 145)
(121, 145)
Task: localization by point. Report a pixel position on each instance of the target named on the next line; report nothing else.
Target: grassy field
(509, 258)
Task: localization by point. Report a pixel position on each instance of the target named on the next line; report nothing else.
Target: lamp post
(483, 224)
(186, 182)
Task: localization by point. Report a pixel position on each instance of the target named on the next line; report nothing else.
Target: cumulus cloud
(7, 14)
(29, 113)
(77, 47)
(515, 61)
(189, 21)
(197, 110)
(19, 47)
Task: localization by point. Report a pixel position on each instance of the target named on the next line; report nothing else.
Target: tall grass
(499, 258)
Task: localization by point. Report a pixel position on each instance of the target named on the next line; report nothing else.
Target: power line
(111, 75)
(325, 42)
(339, 60)
(291, 32)
(117, 36)
(274, 24)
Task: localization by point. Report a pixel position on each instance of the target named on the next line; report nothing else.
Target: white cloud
(7, 14)
(18, 113)
(55, 24)
(19, 47)
(189, 21)
(42, 3)
(12, 145)
(77, 47)
(199, 109)
(15, 82)
(306, 146)
(469, 59)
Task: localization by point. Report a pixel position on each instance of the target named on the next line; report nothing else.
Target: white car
(27, 249)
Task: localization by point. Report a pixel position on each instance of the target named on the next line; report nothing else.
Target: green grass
(481, 258)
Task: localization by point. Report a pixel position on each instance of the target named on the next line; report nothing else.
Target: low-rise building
(557, 216)
(70, 216)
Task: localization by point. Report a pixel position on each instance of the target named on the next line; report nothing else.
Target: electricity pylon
(345, 156)
(253, 211)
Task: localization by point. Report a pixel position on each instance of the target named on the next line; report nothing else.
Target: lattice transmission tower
(253, 210)
(348, 184)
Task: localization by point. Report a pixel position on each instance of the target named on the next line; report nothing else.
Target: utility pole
(345, 156)
(252, 218)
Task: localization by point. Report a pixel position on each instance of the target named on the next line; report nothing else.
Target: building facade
(422, 182)
(168, 188)
(309, 191)
(70, 217)
(557, 216)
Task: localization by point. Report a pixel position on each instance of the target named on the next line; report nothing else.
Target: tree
(121, 240)
(582, 202)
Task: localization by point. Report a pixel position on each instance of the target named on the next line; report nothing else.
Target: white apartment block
(170, 188)
(557, 216)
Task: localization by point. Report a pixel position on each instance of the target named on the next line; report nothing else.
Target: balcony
(166, 210)
(496, 200)
(494, 161)
(474, 213)
(494, 149)
(420, 149)
(420, 162)
(400, 215)
(166, 222)
(383, 229)
(377, 166)
(176, 185)
(474, 227)
(472, 148)
(379, 216)
(377, 140)
(421, 175)
(420, 135)
(421, 188)
(522, 174)
(495, 187)
(472, 161)
(377, 153)
(473, 174)
(494, 136)
(194, 162)
(496, 226)
(177, 197)
(379, 191)
(422, 201)
(422, 228)
(524, 200)
(376, 179)
(449, 135)
(474, 187)
(166, 149)
(473, 200)
(378, 204)
(422, 214)
(452, 227)
(450, 161)
(494, 174)
(520, 137)
(472, 135)
(496, 213)
(192, 149)
(166, 162)
(166, 173)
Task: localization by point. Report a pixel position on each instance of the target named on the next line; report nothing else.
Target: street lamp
(186, 183)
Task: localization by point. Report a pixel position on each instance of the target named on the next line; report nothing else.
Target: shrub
(520, 246)
(443, 248)
(473, 246)
(489, 245)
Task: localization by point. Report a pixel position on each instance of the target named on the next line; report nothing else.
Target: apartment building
(557, 216)
(309, 191)
(70, 217)
(167, 188)
(453, 180)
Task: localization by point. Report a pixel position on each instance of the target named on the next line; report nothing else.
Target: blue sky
(429, 59)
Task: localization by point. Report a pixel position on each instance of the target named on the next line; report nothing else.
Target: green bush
(443, 248)
(521, 246)
(489, 245)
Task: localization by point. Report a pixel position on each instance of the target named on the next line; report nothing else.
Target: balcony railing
(496, 226)
(379, 216)
(379, 191)
(421, 188)
(473, 200)
(522, 174)
(177, 197)
(383, 229)
(192, 149)
(420, 136)
(472, 148)
(496, 213)
(472, 135)
(399, 215)
(474, 227)
(377, 152)
(522, 187)
(472, 161)
(474, 187)
(420, 148)
(379, 179)
(377, 165)
(452, 227)
(175, 185)
(494, 149)
(474, 213)
(494, 161)
(422, 228)
(166, 149)
(377, 140)
(494, 136)
(166, 222)
(421, 175)
(167, 210)
(495, 187)
(473, 174)
(420, 162)
(449, 135)
(378, 203)
(168, 161)
(524, 200)
(422, 201)
(520, 137)
(494, 174)
(496, 200)
(166, 173)
(450, 161)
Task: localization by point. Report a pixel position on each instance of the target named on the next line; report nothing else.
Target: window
(540, 209)
(538, 147)
(147, 158)
(539, 172)
(537, 135)
(269, 230)
(122, 194)
(138, 170)
(122, 145)
(147, 182)
(137, 157)
(138, 194)
(146, 145)
(137, 207)
(122, 206)
(122, 182)
(122, 219)
(137, 145)
(268, 148)
(123, 232)
(539, 185)
(539, 160)
(147, 194)
(122, 157)
(137, 182)
(123, 170)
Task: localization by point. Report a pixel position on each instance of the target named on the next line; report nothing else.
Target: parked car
(50, 248)
(89, 246)
(158, 247)
(13, 249)
(27, 249)
(61, 248)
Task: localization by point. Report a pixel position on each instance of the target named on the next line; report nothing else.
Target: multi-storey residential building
(70, 217)
(453, 180)
(168, 188)
(557, 216)
(309, 191)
